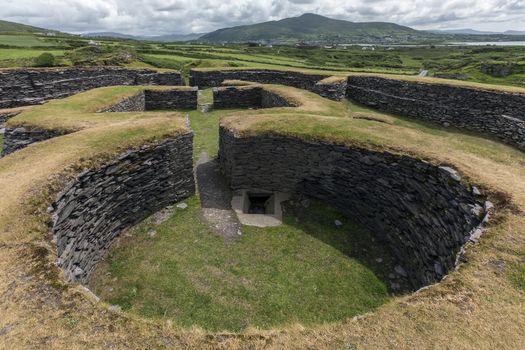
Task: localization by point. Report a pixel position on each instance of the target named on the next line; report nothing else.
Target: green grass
(205, 127)
(24, 41)
(26, 53)
(305, 271)
(516, 276)
(464, 62)
(300, 272)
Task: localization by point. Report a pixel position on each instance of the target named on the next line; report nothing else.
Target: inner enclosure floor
(308, 270)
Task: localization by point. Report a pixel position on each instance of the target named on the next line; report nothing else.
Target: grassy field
(30, 53)
(304, 272)
(25, 40)
(464, 63)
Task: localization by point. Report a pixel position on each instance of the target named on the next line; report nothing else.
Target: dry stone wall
(332, 90)
(423, 211)
(135, 103)
(34, 86)
(204, 79)
(171, 99)
(5, 116)
(19, 137)
(247, 97)
(95, 208)
(494, 113)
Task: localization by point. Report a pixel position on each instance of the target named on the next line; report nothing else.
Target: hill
(108, 35)
(316, 28)
(12, 27)
(164, 38)
(469, 31)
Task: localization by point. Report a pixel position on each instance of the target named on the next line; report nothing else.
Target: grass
(205, 127)
(479, 306)
(463, 62)
(21, 53)
(19, 57)
(79, 111)
(24, 40)
(11, 54)
(308, 272)
(516, 276)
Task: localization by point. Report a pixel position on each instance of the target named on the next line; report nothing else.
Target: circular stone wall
(424, 212)
(91, 211)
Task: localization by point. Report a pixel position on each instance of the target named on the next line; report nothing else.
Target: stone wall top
(496, 113)
(300, 80)
(33, 86)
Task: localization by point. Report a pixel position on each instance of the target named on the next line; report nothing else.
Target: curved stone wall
(20, 137)
(16, 138)
(247, 97)
(6, 115)
(333, 90)
(91, 211)
(150, 100)
(33, 86)
(310, 82)
(496, 113)
(423, 211)
(171, 99)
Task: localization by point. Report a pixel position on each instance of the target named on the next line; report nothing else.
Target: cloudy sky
(154, 17)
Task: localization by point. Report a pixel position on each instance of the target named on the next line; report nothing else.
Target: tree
(45, 60)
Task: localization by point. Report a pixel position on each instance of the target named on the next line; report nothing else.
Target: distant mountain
(108, 35)
(469, 31)
(462, 31)
(164, 38)
(514, 32)
(176, 37)
(315, 28)
(12, 27)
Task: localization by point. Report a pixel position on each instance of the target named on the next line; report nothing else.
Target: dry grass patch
(335, 79)
(238, 83)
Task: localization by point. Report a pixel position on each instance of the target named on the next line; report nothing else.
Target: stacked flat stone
(19, 137)
(28, 87)
(424, 212)
(171, 99)
(310, 82)
(95, 208)
(5, 116)
(494, 113)
(247, 97)
(334, 91)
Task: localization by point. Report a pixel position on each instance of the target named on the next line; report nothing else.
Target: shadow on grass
(331, 227)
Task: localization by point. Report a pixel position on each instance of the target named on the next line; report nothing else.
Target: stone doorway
(259, 208)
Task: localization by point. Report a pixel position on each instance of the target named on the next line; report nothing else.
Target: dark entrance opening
(260, 203)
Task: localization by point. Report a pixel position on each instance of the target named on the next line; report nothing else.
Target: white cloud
(183, 16)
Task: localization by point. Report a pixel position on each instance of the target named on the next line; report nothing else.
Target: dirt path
(215, 197)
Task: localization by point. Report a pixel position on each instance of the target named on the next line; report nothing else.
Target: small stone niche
(259, 208)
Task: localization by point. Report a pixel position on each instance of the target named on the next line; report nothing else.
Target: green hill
(7, 27)
(315, 28)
